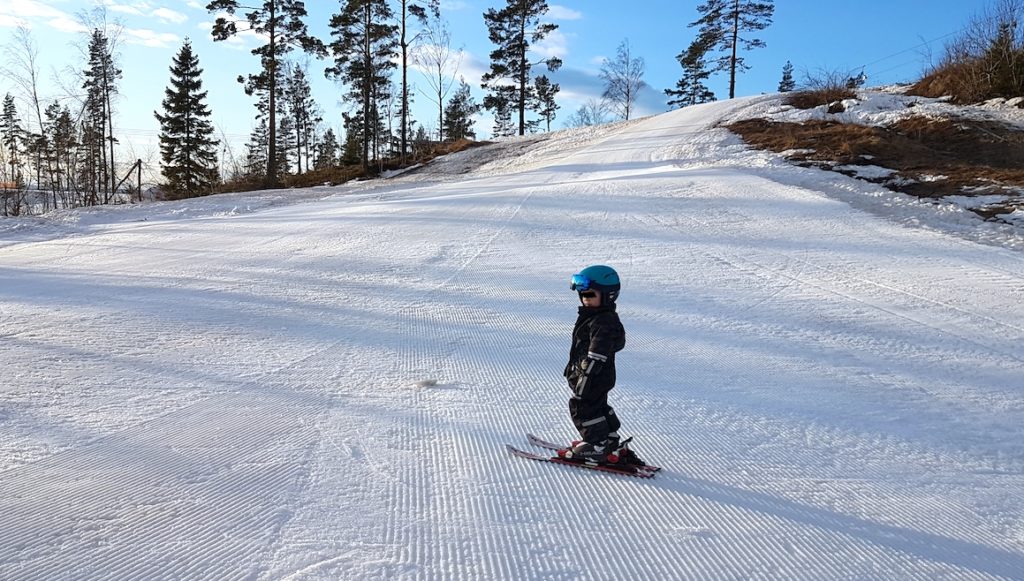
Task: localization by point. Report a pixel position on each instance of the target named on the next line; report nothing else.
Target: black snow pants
(597, 336)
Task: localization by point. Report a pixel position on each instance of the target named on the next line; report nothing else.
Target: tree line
(372, 45)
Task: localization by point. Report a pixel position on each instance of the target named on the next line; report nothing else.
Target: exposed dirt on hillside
(929, 158)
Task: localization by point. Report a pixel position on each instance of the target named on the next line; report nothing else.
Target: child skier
(597, 336)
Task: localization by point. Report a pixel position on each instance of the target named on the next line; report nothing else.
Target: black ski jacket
(597, 336)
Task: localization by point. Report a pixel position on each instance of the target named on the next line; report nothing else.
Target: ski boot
(602, 453)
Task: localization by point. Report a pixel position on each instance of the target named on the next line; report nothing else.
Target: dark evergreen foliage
(458, 115)
(546, 106)
(187, 147)
(787, 83)
(724, 22)
(280, 21)
(326, 151)
(365, 42)
(12, 137)
(101, 76)
(513, 29)
(691, 90)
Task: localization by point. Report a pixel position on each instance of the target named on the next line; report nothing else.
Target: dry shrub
(961, 81)
(985, 61)
(812, 98)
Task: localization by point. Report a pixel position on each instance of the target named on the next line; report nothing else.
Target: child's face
(590, 298)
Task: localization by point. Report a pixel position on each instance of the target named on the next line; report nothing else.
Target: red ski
(625, 469)
(552, 446)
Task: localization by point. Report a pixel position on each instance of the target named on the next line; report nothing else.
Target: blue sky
(889, 39)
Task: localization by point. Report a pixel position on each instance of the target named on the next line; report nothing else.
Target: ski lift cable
(925, 43)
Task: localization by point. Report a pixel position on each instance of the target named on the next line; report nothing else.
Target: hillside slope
(231, 389)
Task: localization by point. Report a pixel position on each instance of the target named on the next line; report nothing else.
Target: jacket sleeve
(607, 337)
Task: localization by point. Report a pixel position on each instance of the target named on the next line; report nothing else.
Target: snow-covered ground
(237, 386)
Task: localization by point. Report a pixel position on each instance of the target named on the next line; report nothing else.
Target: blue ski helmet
(600, 278)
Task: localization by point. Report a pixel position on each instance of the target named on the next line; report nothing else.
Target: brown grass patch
(817, 97)
(971, 154)
(342, 174)
(956, 80)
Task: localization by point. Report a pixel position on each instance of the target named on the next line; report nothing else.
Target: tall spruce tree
(787, 83)
(365, 42)
(513, 29)
(726, 21)
(280, 22)
(187, 147)
(690, 89)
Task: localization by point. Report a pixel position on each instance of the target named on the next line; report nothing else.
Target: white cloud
(8, 21)
(555, 44)
(150, 38)
(67, 24)
(124, 9)
(29, 9)
(171, 16)
(28, 12)
(557, 12)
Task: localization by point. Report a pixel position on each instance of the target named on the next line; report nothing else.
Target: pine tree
(724, 21)
(326, 151)
(690, 89)
(12, 137)
(352, 148)
(458, 115)
(187, 147)
(513, 29)
(546, 106)
(101, 76)
(500, 101)
(287, 145)
(304, 111)
(623, 79)
(256, 151)
(409, 8)
(280, 22)
(364, 45)
(787, 83)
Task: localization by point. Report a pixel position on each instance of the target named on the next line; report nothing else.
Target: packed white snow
(318, 384)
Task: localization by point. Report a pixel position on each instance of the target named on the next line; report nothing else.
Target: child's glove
(589, 367)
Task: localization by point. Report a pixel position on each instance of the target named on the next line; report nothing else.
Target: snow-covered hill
(234, 387)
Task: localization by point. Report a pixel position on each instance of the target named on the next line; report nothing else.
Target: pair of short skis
(645, 471)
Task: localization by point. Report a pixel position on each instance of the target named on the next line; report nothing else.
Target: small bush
(985, 62)
(811, 98)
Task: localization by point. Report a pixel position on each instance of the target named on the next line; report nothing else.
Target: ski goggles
(580, 283)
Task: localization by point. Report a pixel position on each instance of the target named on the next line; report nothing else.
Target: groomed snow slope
(223, 394)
